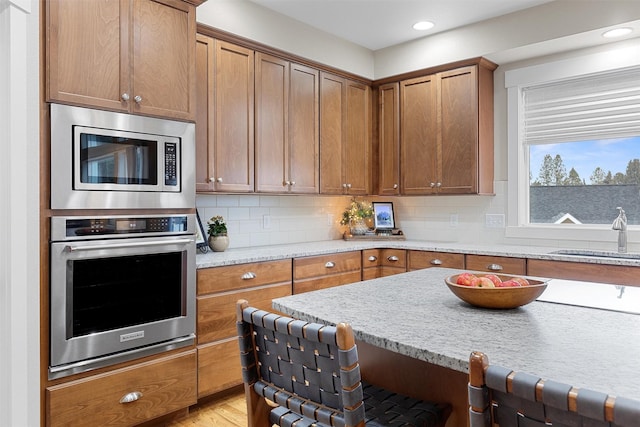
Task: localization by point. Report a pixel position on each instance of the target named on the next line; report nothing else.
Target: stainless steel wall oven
(122, 287)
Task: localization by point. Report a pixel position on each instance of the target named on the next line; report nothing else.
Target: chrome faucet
(620, 224)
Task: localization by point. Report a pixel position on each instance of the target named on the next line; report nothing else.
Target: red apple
(521, 280)
(495, 279)
(508, 284)
(465, 279)
(485, 282)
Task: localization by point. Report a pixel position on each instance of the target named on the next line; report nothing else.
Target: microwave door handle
(74, 248)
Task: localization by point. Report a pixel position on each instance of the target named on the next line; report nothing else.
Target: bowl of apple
(495, 290)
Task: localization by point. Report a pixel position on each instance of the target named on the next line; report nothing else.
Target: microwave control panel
(170, 163)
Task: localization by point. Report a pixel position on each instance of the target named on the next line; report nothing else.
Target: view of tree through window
(583, 182)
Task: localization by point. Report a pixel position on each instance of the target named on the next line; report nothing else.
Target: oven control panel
(74, 228)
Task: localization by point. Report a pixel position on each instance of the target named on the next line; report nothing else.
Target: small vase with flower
(217, 230)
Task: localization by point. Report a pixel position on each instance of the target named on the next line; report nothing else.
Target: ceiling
(376, 24)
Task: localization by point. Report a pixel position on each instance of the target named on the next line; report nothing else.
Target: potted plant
(356, 216)
(217, 230)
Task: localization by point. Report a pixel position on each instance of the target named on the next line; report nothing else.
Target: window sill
(597, 236)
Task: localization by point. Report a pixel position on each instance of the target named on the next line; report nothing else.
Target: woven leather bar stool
(499, 396)
(299, 374)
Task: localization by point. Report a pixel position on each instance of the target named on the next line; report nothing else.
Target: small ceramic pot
(219, 243)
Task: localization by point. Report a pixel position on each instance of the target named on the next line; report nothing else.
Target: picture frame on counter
(383, 218)
(201, 242)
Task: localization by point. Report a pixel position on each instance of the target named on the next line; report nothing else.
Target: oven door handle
(77, 248)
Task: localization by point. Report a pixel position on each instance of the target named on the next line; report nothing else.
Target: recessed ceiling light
(617, 32)
(423, 25)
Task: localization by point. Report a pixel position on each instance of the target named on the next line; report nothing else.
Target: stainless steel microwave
(107, 160)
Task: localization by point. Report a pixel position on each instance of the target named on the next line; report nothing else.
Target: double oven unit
(122, 251)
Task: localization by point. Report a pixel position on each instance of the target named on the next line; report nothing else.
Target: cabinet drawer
(218, 366)
(166, 385)
(323, 265)
(614, 274)
(384, 257)
(496, 264)
(418, 260)
(232, 277)
(217, 313)
(313, 284)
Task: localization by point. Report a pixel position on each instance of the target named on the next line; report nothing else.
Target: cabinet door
(88, 53)
(332, 118)
(204, 106)
(389, 139)
(356, 166)
(418, 143)
(458, 100)
(164, 40)
(304, 137)
(271, 114)
(233, 118)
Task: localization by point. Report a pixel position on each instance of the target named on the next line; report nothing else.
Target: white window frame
(518, 155)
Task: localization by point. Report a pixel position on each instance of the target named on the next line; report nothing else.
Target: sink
(601, 254)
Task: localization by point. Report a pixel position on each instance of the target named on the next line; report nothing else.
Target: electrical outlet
(453, 220)
(266, 221)
(494, 221)
(329, 220)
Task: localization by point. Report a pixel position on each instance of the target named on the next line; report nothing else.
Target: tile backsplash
(262, 220)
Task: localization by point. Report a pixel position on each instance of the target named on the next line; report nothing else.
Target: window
(574, 143)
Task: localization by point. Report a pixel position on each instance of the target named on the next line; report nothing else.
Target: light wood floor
(225, 411)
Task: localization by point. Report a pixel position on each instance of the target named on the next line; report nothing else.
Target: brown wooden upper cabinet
(389, 139)
(345, 142)
(446, 132)
(287, 123)
(129, 56)
(225, 125)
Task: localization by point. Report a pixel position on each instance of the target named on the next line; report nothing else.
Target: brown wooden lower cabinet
(601, 273)
(383, 262)
(496, 264)
(163, 385)
(325, 271)
(417, 260)
(219, 289)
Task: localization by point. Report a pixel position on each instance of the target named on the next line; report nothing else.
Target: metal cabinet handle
(125, 96)
(392, 258)
(138, 99)
(219, 179)
(344, 185)
(373, 258)
(348, 185)
(494, 267)
(248, 275)
(293, 183)
(436, 261)
(395, 186)
(131, 397)
(438, 184)
(330, 264)
(433, 184)
(285, 183)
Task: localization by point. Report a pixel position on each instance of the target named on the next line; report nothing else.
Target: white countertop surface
(415, 314)
(275, 252)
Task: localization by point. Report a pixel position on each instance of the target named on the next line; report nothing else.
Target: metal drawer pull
(373, 258)
(436, 261)
(392, 258)
(131, 397)
(76, 248)
(494, 267)
(249, 275)
(330, 264)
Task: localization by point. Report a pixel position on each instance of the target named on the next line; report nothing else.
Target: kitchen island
(414, 335)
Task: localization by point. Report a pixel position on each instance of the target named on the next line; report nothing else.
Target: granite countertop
(415, 314)
(275, 252)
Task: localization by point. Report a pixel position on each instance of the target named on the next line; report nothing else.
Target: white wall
(513, 40)
(19, 214)
(257, 23)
